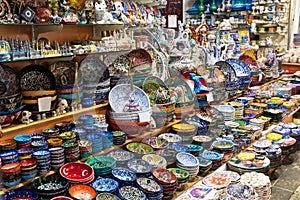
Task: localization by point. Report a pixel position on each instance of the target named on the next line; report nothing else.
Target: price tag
(210, 97)
(144, 117)
(44, 104)
(172, 21)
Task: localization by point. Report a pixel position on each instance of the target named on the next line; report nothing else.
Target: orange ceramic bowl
(11, 168)
(81, 191)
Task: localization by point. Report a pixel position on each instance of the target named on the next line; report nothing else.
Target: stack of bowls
(225, 147)
(130, 192)
(124, 176)
(119, 137)
(85, 148)
(163, 113)
(107, 138)
(57, 156)
(23, 141)
(213, 156)
(186, 131)
(28, 168)
(102, 165)
(151, 188)
(39, 142)
(11, 100)
(6, 145)
(72, 152)
(97, 142)
(108, 185)
(103, 88)
(168, 154)
(130, 110)
(182, 176)
(228, 111)
(54, 142)
(204, 166)
(239, 109)
(25, 153)
(86, 120)
(77, 172)
(80, 132)
(51, 133)
(167, 179)
(43, 161)
(202, 140)
(121, 156)
(51, 186)
(8, 157)
(11, 174)
(188, 162)
(140, 167)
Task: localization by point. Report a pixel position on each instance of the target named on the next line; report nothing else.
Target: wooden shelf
(38, 126)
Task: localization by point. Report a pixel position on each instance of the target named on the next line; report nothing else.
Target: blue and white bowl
(105, 185)
(123, 175)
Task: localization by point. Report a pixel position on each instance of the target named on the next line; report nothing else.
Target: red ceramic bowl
(76, 171)
(164, 176)
(28, 162)
(81, 191)
(11, 168)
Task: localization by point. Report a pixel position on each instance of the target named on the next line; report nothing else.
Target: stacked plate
(257, 122)
(185, 131)
(102, 165)
(188, 162)
(228, 111)
(107, 138)
(121, 156)
(23, 141)
(124, 176)
(77, 173)
(213, 156)
(6, 145)
(8, 157)
(51, 133)
(140, 167)
(204, 166)
(241, 191)
(108, 185)
(151, 188)
(25, 153)
(72, 152)
(43, 161)
(239, 109)
(167, 179)
(119, 137)
(11, 174)
(28, 168)
(41, 144)
(57, 156)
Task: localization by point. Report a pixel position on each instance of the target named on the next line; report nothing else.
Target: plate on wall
(92, 69)
(239, 66)
(64, 72)
(35, 78)
(227, 70)
(9, 83)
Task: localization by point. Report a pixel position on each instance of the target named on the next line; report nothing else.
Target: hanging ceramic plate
(140, 56)
(153, 83)
(120, 66)
(64, 72)
(4, 8)
(176, 84)
(35, 78)
(239, 66)
(9, 83)
(92, 69)
(227, 70)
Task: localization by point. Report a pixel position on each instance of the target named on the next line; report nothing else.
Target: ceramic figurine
(102, 16)
(132, 106)
(201, 7)
(269, 41)
(55, 18)
(228, 6)
(207, 9)
(61, 106)
(118, 13)
(25, 117)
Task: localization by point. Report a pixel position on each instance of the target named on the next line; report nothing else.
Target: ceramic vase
(201, 7)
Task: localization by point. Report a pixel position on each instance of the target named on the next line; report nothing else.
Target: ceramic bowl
(107, 196)
(102, 162)
(121, 155)
(22, 138)
(76, 171)
(81, 191)
(156, 142)
(61, 198)
(183, 128)
(181, 174)
(11, 168)
(12, 183)
(247, 156)
(11, 102)
(139, 148)
(48, 185)
(42, 154)
(105, 185)
(131, 193)
(8, 117)
(120, 95)
(149, 186)
(8, 155)
(211, 155)
(155, 161)
(139, 166)
(123, 174)
(171, 137)
(223, 144)
(187, 159)
(204, 163)
(164, 176)
(21, 194)
(240, 191)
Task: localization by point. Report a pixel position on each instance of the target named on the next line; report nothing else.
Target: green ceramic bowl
(181, 174)
(139, 148)
(101, 162)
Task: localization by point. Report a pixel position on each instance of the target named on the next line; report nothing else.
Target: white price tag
(210, 97)
(44, 104)
(144, 117)
(172, 21)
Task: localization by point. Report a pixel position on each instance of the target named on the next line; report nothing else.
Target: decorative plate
(164, 176)
(240, 191)
(139, 148)
(123, 174)
(4, 8)
(217, 181)
(262, 144)
(181, 174)
(227, 70)
(101, 162)
(171, 137)
(149, 185)
(202, 138)
(64, 72)
(107, 196)
(121, 94)
(233, 176)
(140, 56)
(252, 167)
(246, 156)
(223, 144)
(204, 193)
(105, 185)
(92, 69)
(155, 161)
(120, 66)
(121, 155)
(204, 162)
(9, 83)
(20, 194)
(153, 83)
(156, 142)
(239, 66)
(35, 78)
(131, 193)
(139, 166)
(211, 155)
(76, 171)
(187, 159)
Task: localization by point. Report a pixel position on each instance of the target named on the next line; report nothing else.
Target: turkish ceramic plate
(164, 176)
(201, 193)
(156, 142)
(123, 174)
(202, 138)
(76, 171)
(140, 56)
(153, 83)
(105, 185)
(251, 167)
(227, 70)
(223, 144)
(121, 94)
(211, 155)
(155, 160)
(139, 148)
(240, 191)
(233, 176)
(4, 8)
(121, 155)
(64, 72)
(246, 156)
(92, 69)
(171, 137)
(187, 159)
(239, 66)
(182, 89)
(35, 78)
(181, 174)
(262, 144)
(216, 181)
(149, 185)
(81, 191)
(131, 193)
(120, 66)
(9, 83)
(107, 196)
(139, 166)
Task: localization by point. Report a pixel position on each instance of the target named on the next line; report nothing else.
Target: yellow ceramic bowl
(276, 100)
(246, 156)
(183, 127)
(274, 136)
